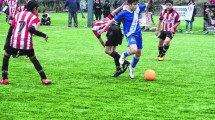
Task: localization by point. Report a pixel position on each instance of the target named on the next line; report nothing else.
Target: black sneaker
(125, 66)
(117, 73)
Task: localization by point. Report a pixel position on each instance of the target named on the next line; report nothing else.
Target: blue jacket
(74, 5)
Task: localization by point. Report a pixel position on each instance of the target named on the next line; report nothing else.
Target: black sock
(160, 50)
(38, 68)
(5, 67)
(116, 57)
(165, 48)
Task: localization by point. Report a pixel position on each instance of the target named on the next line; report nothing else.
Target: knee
(108, 52)
(133, 51)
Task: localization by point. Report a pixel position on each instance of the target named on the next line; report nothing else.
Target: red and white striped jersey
(13, 7)
(22, 8)
(101, 24)
(21, 38)
(169, 19)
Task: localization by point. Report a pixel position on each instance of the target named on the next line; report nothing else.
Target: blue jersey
(130, 19)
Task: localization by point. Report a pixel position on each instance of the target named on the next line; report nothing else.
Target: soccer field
(84, 89)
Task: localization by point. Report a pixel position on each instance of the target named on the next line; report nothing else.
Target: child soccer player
(13, 9)
(22, 27)
(114, 37)
(170, 20)
(130, 19)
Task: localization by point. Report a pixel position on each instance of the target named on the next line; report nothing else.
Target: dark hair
(131, 1)
(31, 5)
(169, 1)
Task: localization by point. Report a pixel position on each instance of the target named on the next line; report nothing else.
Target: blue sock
(135, 61)
(126, 54)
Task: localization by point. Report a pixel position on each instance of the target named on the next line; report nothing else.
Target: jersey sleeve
(177, 18)
(119, 17)
(34, 22)
(161, 16)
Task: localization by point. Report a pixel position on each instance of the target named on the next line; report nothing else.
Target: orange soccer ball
(150, 75)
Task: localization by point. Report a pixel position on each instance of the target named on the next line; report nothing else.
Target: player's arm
(177, 22)
(158, 27)
(114, 12)
(106, 26)
(9, 34)
(32, 30)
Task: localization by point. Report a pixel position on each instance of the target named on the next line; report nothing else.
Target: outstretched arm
(32, 30)
(106, 26)
(114, 12)
(158, 27)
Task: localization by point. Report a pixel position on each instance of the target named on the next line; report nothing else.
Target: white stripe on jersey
(24, 29)
(134, 22)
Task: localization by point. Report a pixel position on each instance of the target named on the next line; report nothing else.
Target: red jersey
(13, 7)
(169, 19)
(100, 25)
(21, 38)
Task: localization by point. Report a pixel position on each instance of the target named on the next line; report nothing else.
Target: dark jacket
(106, 8)
(117, 3)
(97, 8)
(74, 5)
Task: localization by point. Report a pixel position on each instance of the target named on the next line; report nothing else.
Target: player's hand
(156, 32)
(125, 3)
(46, 38)
(100, 31)
(172, 30)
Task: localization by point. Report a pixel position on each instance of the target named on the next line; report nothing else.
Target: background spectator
(72, 12)
(83, 7)
(97, 6)
(45, 20)
(150, 8)
(117, 3)
(191, 2)
(106, 8)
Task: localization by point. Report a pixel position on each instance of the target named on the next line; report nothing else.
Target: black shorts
(13, 51)
(163, 35)
(114, 36)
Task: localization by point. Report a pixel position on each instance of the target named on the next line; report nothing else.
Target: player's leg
(135, 60)
(37, 65)
(110, 50)
(166, 45)
(161, 37)
(75, 17)
(102, 42)
(69, 19)
(8, 52)
(132, 49)
(137, 54)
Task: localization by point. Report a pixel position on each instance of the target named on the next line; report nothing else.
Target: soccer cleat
(156, 58)
(125, 66)
(161, 58)
(46, 81)
(5, 81)
(131, 74)
(117, 73)
(122, 59)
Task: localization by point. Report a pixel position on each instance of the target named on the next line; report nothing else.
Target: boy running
(114, 37)
(130, 19)
(171, 20)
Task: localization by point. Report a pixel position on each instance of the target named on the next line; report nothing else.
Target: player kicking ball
(114, 38)
(22, 27)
